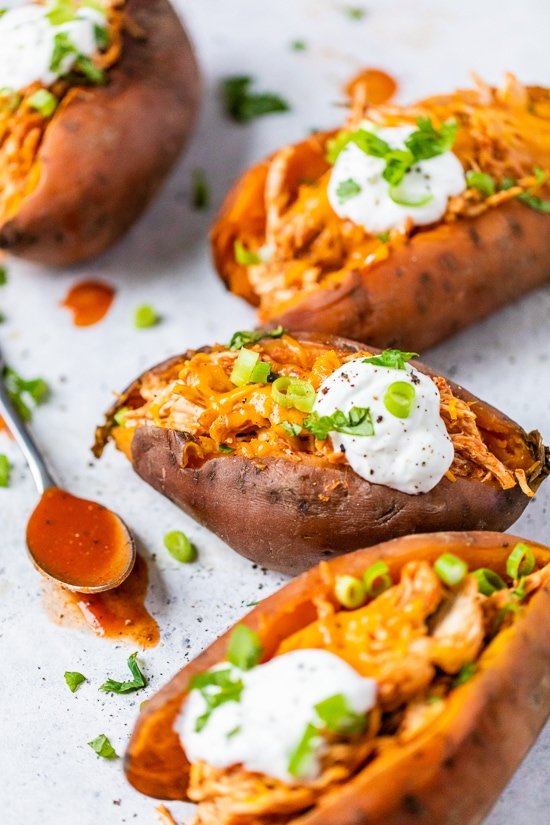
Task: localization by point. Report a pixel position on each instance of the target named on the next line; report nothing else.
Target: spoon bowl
(80, 544)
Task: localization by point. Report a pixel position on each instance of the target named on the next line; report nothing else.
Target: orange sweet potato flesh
(452, 772)
(440, 281)
(297, 514)
(108, 148)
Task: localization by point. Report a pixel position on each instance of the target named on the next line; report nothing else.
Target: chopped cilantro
(137, 682)
(243, 105)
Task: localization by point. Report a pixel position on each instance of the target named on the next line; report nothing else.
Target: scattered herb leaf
(347, 189)
(481, 181)
(338, 717)
(392, 358)
(102, 746)
(179, 547)
(298, 45)
(245, 256)
(137, 682)
(5, 470)
(22, 392)
(225, 448)
(243, 105)
(201, 190)
(73, 679)
(145, 316)
(464, 674)
(301, 758)
(216, 687)
(3, 275)
(291, 428)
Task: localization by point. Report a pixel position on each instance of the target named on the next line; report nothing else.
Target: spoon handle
(40, 471)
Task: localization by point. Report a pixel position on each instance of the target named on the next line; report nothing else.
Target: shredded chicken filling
(503, 132)
(197, 397)
(22, 128)
(420, 639)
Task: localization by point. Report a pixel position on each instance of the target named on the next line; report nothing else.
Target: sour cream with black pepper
(367, 201)
(28, 43)
(262, 730)
(409, 454)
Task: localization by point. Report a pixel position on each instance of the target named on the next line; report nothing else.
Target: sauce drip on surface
(374, 85)
(77, 541)
(89, 301)
(118, 614)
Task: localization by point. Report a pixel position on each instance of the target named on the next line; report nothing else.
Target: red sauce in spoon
(77, 541)
(377, 86)
(89, 301)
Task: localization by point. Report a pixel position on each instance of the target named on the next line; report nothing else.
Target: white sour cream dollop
(409, 454)
(263, 729)
(27, 42)
(372, 207)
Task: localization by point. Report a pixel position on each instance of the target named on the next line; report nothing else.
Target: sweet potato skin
(108, 148)
(450, 775)
(287, 516)
(442, 280)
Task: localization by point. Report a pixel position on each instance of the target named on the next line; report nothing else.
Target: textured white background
(47, 772)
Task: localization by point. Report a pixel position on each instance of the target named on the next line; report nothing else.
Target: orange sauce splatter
(118, 614)
(89, 301)
(374, 86)
(77, 541)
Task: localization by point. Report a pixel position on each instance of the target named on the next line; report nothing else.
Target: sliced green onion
(145, 316)
(450, 569)
(520, 562)
(120, 416)
(488, 581)
(245, 648)
(179, 546)
(338, 717)
(398, 196)
(399, 399)
(301, 758)
(90, 71)
(9, 98)
(244, 256)
(293, 393)
(61, 12)
(225, 448)
(5, 470)
(291, 428)
(349, 591)
(44, 102)
(377, 579)
(481, 181)
(248, 369)
(347, 189)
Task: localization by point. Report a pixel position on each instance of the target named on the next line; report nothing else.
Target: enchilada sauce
(89, 302)
(376, 86)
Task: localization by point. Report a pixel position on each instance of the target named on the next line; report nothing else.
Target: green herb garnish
(347, 189)
(201, 191)
(354, 12)
(291, 428)
(357, 422)
(338, 717)
(245, 256)
(301, 758)
(464, 674)
(102, 746)
(5, 470)
(244, 338)
(243, 105)
(137, 682)
(298, 45)
(145, 316)
(425, 143)
(73, 679)
(216, 687)
(450, 569)
(90, 71)
(63, 46)
(3, 275)
(244, 649)
(534, 202)
(60, 12)
(101, 35)
(179, 546)
(481, 181)
(23, 392)
(392, 358)
(225, 448)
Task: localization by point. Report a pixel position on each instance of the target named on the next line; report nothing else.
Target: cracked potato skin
(451, 774)
(287, 515)
(108, 148)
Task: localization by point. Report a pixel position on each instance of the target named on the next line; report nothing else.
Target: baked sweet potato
(225, 455)
(444, 754)
(72, 182)
(278, 243)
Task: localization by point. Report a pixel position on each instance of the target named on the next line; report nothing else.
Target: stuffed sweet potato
(452, 630)
(86, 140)
(240, 436)
(406, 226)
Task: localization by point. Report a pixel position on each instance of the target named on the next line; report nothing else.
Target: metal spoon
(45, 481)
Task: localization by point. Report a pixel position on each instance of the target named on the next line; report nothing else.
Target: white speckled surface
(48, 773)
